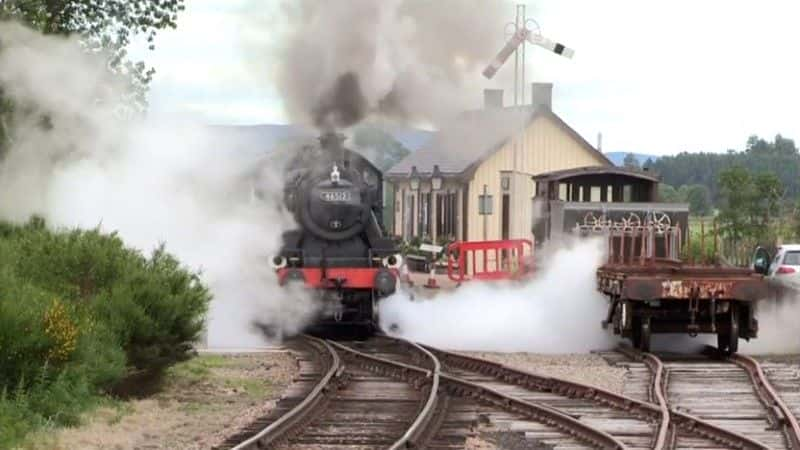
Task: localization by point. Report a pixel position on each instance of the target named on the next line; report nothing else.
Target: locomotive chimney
(331, 140)
(542, 95)
(492, 98)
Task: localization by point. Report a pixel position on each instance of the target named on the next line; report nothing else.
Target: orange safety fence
(489, 260)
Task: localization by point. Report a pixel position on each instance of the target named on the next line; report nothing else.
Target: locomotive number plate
(335, 196)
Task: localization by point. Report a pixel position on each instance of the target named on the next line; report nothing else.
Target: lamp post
(436, 184)
(414, 178)
(413, 181)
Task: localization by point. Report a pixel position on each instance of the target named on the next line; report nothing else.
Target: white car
(784, 271)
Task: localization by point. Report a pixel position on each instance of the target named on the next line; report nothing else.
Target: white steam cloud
(559, 311)
(74, 161)
(777, 326)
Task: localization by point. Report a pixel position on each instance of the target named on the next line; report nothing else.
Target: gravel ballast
(581, 368)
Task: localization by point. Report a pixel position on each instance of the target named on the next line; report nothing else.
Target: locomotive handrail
(457, 266)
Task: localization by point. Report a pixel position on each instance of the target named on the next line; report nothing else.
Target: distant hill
(618, 157)
(412, 138)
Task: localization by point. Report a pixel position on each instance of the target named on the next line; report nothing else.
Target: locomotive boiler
(339, 251)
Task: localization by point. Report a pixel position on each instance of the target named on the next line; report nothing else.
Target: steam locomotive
(340, 250)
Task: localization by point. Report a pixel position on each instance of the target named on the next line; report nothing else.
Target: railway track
(631, 422)
(347, 398)
(716, 403)
(478, 399)
(390, 393)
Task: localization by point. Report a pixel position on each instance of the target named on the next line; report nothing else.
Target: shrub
(80, 312)
(157, 311)
(153, 306)
(51, 366)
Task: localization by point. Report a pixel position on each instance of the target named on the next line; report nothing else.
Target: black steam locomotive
(340, 250)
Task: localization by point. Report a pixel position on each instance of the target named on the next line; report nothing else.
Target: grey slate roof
(473, 136)
(557, 175)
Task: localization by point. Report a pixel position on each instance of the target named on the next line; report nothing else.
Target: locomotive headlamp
(335, 175)
(278, 262)
(392, 261)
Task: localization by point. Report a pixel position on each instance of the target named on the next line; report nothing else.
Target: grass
(211, 372)
(196, 369)
(254, 388)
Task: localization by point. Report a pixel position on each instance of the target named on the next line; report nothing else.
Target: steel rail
(538, 412)
(416, 432)
(686, 421)
(413, 435)
(572, 389)
(770, 398)
(665, 438)
(280, 428)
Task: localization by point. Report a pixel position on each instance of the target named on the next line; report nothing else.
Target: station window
(562, 192)
(595, 194)
(446, 214)
(424, 214)
(627, 192)
(485, 204)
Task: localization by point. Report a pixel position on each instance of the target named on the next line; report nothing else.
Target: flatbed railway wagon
(651, 289)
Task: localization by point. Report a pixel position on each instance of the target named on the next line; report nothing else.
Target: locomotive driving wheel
(376, 320)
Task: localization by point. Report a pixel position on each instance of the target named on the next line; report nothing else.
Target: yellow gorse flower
(59, 327)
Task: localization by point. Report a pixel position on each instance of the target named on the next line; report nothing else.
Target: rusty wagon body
(652, 290)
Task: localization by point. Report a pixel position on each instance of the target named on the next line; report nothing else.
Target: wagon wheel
(728, 341)
(660, 221)
(641, 333)
(631, 222)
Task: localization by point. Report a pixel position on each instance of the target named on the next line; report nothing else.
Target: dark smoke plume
(336, 62)
(342, 106)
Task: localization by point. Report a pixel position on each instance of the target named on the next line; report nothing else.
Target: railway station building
(473, 181)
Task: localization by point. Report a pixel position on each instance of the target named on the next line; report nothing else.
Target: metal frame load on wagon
(650, 285)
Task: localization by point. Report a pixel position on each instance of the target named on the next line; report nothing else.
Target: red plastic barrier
(489, 260)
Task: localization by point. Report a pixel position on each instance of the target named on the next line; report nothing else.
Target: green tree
(631, 162)
(779, 156)
(699, 198)
(107, 25)
(668, 194)
(751, 203)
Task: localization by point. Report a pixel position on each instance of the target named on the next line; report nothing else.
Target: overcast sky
(652, 77)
